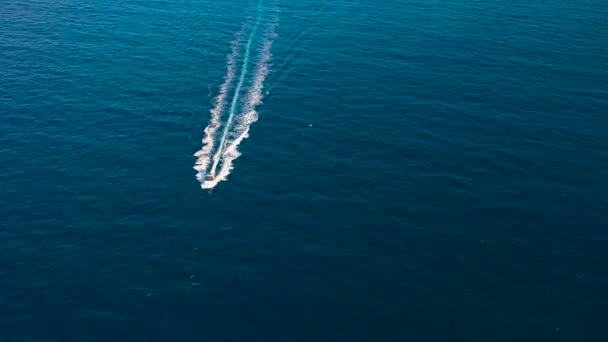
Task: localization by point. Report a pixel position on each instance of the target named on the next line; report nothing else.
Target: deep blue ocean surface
(420, 171)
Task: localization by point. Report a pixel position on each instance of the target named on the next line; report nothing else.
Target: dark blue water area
(420, 171)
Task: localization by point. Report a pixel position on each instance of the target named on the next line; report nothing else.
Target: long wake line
(216, 157)
(249, 114)
(219, 103)
(239, 118)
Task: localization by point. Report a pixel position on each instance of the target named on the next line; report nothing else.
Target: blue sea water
(420, 171)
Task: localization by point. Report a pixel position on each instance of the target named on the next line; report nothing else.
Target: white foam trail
(248, 114)
(204, 154)
(218, 154)
(237, 125)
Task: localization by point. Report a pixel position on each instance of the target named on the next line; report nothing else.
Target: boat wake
(215, 159)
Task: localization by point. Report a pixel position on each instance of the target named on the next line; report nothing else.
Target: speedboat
(208, 181)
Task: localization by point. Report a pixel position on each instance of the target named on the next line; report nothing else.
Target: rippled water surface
(420, 171)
